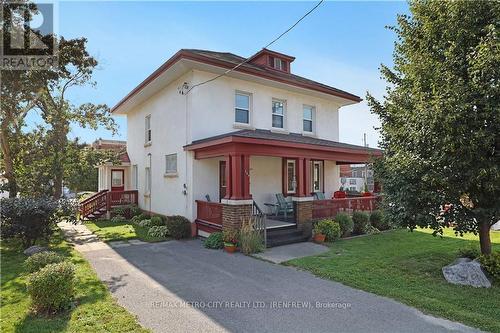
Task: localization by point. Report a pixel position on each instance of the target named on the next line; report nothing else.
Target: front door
(222, 180)
(117, 180)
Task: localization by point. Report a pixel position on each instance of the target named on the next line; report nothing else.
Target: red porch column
(246, 176)
(307, 177)
(236, 177)
(300, 177)
(229, 188)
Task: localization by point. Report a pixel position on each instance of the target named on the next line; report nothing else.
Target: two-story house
(210, 152)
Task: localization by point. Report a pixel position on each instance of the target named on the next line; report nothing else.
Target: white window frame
(242, 93)
(278, 64)
(135, 177)
(312, 120)
(283, 116)
(148, 134)
(170, 171)
(147, 180)
(294, 180)
(321, 175)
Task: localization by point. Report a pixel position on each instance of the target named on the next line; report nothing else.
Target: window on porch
(317, 176)
(291, 177)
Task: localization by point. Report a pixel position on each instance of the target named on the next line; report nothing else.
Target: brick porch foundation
(303, 207)
(233, 211)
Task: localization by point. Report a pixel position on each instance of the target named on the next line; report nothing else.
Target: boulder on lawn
(466, 272)
(34, 249)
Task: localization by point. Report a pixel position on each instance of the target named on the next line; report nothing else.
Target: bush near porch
(94, 310)
(123, 230)
(407, 266)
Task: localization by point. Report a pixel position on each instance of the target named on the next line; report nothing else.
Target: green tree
(441, 118)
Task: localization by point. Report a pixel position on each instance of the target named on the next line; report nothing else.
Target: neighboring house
(353, 178)
(237, 140)
(112, 176)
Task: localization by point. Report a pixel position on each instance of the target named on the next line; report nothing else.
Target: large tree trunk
(7, 160)
(484, 237)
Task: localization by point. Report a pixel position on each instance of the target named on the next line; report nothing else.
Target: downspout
(150, 180)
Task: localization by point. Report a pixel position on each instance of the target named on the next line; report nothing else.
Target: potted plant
(230, 238)
(319, 236)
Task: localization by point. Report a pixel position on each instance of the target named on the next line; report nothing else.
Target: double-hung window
(147, 181)
(171, 163)
(135, 177)
(278, 116)
(242, 108)
(308, 115)
(147, 129)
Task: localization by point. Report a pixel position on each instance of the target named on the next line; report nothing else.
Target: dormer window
(278, 64)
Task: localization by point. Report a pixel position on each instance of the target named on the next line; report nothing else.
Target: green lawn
(96, 310)
(407, 266)
(126, 230)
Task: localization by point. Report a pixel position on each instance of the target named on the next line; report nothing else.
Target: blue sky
(341, 44)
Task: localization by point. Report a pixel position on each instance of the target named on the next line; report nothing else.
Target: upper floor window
(278, 114)
(308, 115)
(171, 163)
(242, 108)
(147, 129)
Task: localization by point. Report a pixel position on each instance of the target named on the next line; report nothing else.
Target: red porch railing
(210, 212)
(119, 198)
(102, 202)
(93, 203)
(330, 208)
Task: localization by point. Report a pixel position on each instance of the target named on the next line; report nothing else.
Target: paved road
(154, 281)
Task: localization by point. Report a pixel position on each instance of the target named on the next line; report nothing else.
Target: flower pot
(229, 247)
(319, 238)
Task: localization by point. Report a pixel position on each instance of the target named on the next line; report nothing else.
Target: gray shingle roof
(290, 137)
(236, 59)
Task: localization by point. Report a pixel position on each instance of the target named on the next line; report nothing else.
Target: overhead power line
(265, 47)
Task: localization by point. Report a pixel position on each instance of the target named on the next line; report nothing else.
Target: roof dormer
(273, 60)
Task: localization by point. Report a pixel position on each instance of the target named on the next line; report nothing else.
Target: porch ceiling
(292, 145)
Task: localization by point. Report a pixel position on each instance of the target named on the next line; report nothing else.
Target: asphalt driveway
(179, 286)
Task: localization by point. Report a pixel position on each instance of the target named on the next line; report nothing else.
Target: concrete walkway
(284, 253)
(179, 286)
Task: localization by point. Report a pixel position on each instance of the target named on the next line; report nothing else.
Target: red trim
(183, 54)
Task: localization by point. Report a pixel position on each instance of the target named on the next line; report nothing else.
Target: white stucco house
(213, 152)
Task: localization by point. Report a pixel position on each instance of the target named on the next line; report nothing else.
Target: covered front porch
(288, 178)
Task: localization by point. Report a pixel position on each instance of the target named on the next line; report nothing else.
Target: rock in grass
(34, 249)
(466, 272)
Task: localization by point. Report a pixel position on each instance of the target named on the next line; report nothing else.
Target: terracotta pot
(230, 248)
(319, 238)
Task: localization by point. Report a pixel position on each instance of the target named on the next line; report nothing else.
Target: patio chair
(319, 196)
(283, 205)
(207, 197)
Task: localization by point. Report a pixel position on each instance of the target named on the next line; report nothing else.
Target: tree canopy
(441, 118)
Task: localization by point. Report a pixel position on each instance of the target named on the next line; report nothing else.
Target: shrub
(119, 211)
(179, 226)
(145, 223)
(158, 231)
(118, 219)
(214, 241)
(345, 222)
(251, 240)
(138, 218)
(134, 210)
(51, 288)
(32, 219)
(371, 230)
(157, 221)
(360, 220)
(491, 264)
(469, 251)
(329, 228)
(379, 221)
(40, 260)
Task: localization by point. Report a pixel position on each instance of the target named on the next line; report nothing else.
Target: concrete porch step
(285, 236)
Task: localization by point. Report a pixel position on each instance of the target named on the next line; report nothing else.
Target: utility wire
(265, 47)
